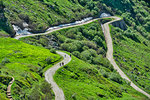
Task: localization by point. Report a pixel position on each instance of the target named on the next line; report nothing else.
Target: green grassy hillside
(26, 63)
(86, 77)
(90, 70)
(42, 14)
(131, 52)
(82, 81)
(85, 42)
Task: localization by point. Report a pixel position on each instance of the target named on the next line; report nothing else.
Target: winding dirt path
(59, 95)
(109, 54)
(21, 36)
(9, 89)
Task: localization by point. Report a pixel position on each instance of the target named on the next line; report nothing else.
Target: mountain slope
(79, 79)
(26, 63)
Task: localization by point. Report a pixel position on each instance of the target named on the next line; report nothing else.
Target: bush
(35, 93)
(2, 97)
(85, 48)
(97, 60)
(53, 50)
(115, 77)
(49, 60)
(85, 55)
(5, 61)
(93, 52)
(5, 80)
(76, 53)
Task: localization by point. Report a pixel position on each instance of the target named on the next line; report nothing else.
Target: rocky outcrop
(121, 24)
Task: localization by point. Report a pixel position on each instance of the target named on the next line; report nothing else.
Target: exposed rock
(25, 24)
(20, 31)
(104, 15)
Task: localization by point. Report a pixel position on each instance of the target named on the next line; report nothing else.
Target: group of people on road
(62, 63)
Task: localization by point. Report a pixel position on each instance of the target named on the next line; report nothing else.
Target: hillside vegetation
(80, 80)
(26, 63)
(86, 77)
(41, 14)
(89, 75)
(131, 52)
(85, 42)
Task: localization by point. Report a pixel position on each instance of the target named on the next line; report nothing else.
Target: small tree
(49, 60)
(53, 50)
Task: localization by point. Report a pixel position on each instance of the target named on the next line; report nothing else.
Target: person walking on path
(62, 63)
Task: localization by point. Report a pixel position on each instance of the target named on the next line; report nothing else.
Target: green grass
(42, 14)
(81, 40)
(26, 63)
(131, 53)
(80, 80)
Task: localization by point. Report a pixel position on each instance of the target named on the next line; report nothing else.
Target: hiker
(65, 56)
(70, 55)
(60, 64)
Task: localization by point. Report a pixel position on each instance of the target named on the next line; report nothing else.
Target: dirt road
(59, 95)
(109, 54)
(49, 73)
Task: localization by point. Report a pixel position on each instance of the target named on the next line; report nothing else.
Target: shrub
(93, 52)
(85, 48)
(85, 55)
(97, 60)
(76, 53)
(2, 97)
(35, 93)
(5, 61)
(53, 50)
(49, 60)
(115, 77)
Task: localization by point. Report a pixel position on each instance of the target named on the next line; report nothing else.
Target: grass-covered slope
(90, 75)
(85, 42)
(132, 53)
(40, 14)
(26, 63)
(82, 81)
